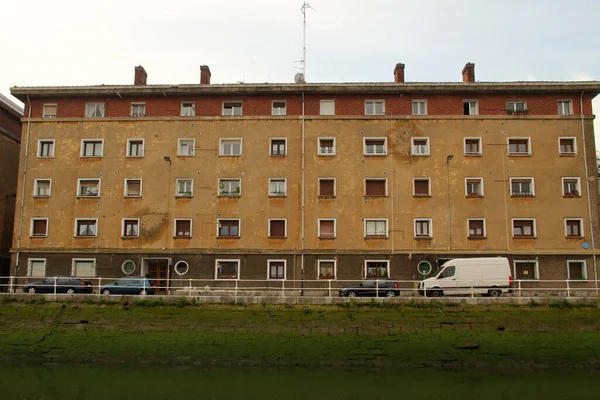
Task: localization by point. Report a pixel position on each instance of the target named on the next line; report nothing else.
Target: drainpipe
(302, 208)
(587, 184)
(23, 186)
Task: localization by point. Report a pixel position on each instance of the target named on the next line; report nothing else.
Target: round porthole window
(181, 268)
(128, 267)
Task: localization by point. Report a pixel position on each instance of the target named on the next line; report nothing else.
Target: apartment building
(308, 181)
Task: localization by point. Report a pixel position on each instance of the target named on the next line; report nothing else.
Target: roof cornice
(10, 106)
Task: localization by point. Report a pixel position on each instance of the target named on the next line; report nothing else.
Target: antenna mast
(305, 6)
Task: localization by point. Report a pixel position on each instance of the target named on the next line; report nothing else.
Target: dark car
(129, 285)
(371, 288)
(59, 284)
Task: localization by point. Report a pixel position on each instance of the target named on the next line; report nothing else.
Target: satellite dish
(299, 78)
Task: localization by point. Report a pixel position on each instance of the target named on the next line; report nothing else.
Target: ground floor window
(526, 269)
(36, 267)
(276, 269)
(181, 268)
(128, 267)
(326, 269)
(227, 269)
(377, 269)
(576, 270)
(84, 267)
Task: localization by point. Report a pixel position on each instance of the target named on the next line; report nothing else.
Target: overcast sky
(74, 42)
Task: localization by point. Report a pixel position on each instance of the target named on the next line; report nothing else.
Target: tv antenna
(302, 79)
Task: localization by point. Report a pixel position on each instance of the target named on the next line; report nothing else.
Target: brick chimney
(469, 73)
(204, 75)
(140, 76)
(399, 73)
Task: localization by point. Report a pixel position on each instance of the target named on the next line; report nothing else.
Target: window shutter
(326, 228)
(422, 187)
(375, 188)
(326, 187)
(277, 228)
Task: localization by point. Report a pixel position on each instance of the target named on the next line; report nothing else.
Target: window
(232, 108)
(277, 108)
(576, 270)
(131, 227)
(94, 110)
(423, 228)
(135, 147)
(516, 107)
(138, 109)
(327, 269)
(277, 228)
(374, 107)
(472, 146)
(420, 146)
(230, 187)
(230, 147)
(574, 227)
(188, 109)
(476, 228)
(376, 228)
(567, 146)
(326, 187)
(277, 187)
(228, 228)
(521, 187)
(474, 187)
(42, 188)
(327, 107)
(278, 147)
(39, 227)
(375, 187)
(421, 187)
(133, 187)
(46, 148)
(183, 228)
(185, 187)
(419, 107)
(519, 147)
(227, 269)
(84, 267)
(564, 107)
(326, 228)
(571, 187)
(448, 272)
(377, 269)
(375, 146)
(186, 147)
(523, 228)
(181, 268)
(128, 267)
(526, 270)
(86, 227)
(49, 111)
(276, 269)
(470, 107)
(92, 148)
(327, 146)
(88, 187)
(36, 267)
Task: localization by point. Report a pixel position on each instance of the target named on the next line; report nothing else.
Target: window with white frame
(278, 146)
(525, 269)
(421, 187)
(567, 146)
(574, 227)
(374, 107)
(470, 107)
(131, 227)
(277, 228)
(181, 268)
(278, 107)
(571, 187)
(184, 187)
(92, 147)
(576, 270)
(326, 269)
(228, 228)
(49, 110)
(188, 109)
(326, 187)
(377, 269)
(138, 109)
(376, 228)
(230, 147)
(375, 146)
(45, 148)
(476, 228)
(420, 146)
(88, 187)
(39, 227)
(277, 187)
(42, 188)
(565, 107)
(522, 187)
(523, 228)
(135, 147)
(230, 187)
(326, 228)
(183, 228)
(423, 228)
(133, 187)
(519, 146)
(84, 267)
(474, 187)
(232, 108)
(472, 146)
(375, 187)
(327, 146)
(86, 227)
(94, 110)
(327, 107)
(419, 107)
(516, 107)
(36, 267)
(276, 269)
(186, 147)
(227, 269)
(128, 267)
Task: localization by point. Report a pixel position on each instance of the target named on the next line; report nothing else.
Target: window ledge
(85, 237)
(474, 196)
(571, 195)
(574, 237)
(38, 236)
(422, 196)
(230, 155)
(423, 238)
(524, 237)
(367, 196)
(327, 278)
(519, 154)
(134, 156)
(45, 156)
(477, 237)
(522, 196)
(420, 155)
(277, 237)
(129, 237)
(186, 155)
(226, 279)
(90, 156)
(229, 195)
(275, 196)
(567, 154)
(376, 237)
(132, 197)
(179, 196)
(88, 197)
(228, 237)
(326, 197)
(41, 197)
(326, 154)
(182, 237)
(278, 155)
(375, 155)
(327, 237)
(473, 155)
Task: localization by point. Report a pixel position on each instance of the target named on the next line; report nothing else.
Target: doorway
(157, 270)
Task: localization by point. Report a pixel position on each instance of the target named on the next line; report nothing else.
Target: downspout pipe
(302, 203)
(23, 182)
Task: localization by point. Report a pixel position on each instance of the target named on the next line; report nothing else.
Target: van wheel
(495, 293)
(436, 293)
(390, 293)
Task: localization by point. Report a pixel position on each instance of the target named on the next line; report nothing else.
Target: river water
(89, 382)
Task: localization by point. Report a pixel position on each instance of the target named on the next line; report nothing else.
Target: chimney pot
(141, 76)
(468, 73)
(399, 73)
(204, 75)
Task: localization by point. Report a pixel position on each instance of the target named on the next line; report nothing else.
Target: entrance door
(158, 272)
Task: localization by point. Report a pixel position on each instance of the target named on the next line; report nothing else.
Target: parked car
(129, 285)
(371, 288)
(59, 284)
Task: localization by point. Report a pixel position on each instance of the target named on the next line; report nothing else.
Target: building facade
(313, 182)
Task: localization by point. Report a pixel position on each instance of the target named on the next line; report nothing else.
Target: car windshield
(447, 272)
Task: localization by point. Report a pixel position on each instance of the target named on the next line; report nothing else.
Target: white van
(460, 276)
